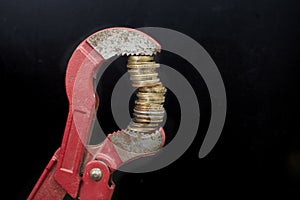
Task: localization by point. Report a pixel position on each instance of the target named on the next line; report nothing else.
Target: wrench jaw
(121, 147)
(121, 41)
(132, 145)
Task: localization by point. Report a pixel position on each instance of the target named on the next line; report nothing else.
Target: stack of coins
(148, 112)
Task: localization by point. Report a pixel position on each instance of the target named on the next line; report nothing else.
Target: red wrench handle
(62, 175)
(69, 169)
(82, 69)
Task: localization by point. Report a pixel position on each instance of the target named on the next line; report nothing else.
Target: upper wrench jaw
(119, 41)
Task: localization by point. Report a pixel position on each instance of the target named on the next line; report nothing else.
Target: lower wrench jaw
(132, 145)
(136, 142)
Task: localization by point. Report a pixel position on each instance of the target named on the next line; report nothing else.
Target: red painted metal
(96, 190)
(82, 67)
(47, 188)
(68, 170)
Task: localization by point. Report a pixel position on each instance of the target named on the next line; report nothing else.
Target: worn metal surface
(122, 146)
(137, 142)
(122, 41)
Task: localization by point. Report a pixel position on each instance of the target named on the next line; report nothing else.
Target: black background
(255, 45)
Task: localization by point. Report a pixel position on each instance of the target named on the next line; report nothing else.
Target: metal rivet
(96, 174)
